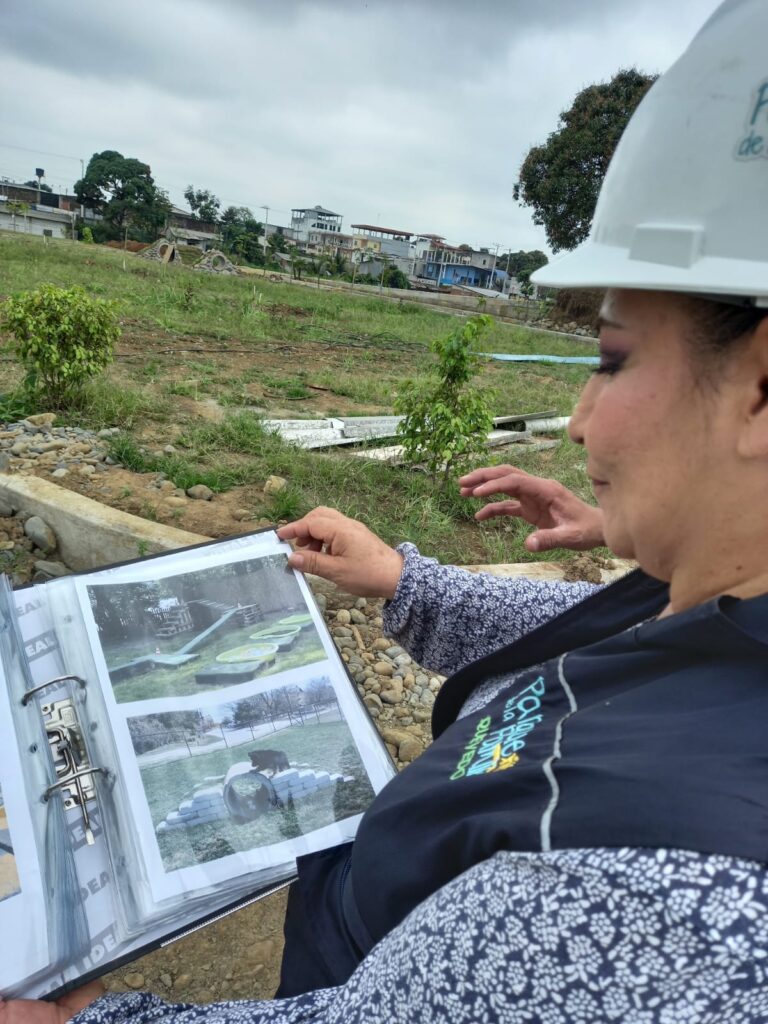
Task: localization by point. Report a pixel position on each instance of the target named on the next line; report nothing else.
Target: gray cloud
(406, 112)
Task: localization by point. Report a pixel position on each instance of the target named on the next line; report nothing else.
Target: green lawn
(327, 746)
(292, 351)
(180, 681)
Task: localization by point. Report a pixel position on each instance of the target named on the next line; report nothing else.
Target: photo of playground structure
(234, 777)
(9, 877)
(201, 630)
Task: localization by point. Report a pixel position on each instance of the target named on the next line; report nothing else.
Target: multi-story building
(315, 221)
(445, 265)
(393, 247)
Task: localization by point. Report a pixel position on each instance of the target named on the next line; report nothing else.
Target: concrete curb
(90, 534)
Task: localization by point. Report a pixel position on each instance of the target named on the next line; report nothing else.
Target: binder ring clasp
(50, 682)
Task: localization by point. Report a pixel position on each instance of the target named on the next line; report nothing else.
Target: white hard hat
(684, 204)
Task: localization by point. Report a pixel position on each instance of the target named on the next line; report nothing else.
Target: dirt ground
(235, 958)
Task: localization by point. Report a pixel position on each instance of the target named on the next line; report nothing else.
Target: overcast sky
(411, 114)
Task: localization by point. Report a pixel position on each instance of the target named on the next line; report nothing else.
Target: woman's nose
(577, 424)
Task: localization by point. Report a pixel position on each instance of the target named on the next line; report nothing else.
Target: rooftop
(315, 209)
(383, 231)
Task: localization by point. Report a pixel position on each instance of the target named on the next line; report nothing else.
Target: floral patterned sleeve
(446, 617)
(568, 937)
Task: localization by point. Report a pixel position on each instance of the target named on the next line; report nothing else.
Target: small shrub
(447, 420)
(88, 236)
(63, 338)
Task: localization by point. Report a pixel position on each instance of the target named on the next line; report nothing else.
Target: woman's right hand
(345, 552)
(561, 519)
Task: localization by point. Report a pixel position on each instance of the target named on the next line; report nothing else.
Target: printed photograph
(9, 877)
(234, 777)
(201, 630)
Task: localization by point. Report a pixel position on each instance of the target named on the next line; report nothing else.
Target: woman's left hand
(35, 1011)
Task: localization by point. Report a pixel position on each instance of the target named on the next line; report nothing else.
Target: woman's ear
(753, 437)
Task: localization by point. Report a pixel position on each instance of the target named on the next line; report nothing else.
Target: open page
(240, 740)
(23, 922)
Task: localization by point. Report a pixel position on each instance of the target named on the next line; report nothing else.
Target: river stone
(200, 492)
(41, 419)
(409, 749)
(40, 534)
(5, 462)
(51, 568)
(343, 617)
(394, 692)
(275, 484)
(384, 668)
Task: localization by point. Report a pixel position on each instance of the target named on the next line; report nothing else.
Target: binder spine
(74, 772)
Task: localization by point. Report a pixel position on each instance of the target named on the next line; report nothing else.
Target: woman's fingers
(494, 509)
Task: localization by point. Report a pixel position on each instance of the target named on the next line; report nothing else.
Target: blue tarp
(506, 358)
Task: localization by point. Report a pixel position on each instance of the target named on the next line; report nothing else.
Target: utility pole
(495, 257)
(266, 225)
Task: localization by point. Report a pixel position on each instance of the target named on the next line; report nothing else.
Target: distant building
(391, 244)
(446, 265)
(183, 228)
(34, 211)
(322, 224)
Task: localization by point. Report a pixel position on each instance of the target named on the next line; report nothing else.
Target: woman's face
(658, 446)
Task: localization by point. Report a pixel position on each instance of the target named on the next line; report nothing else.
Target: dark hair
(717, 328)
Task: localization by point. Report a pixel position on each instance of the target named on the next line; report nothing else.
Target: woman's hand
(35, 1011)
(344, 551)
(561, 519)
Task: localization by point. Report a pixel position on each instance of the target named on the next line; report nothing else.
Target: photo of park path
(197, 631)
(9, 876)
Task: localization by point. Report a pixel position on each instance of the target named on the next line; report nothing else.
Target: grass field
(248, 347)
(180, 681)
(327, 746)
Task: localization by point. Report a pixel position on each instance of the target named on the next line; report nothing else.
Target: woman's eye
(609, 364)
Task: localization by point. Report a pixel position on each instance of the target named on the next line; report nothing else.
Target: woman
(586, 839)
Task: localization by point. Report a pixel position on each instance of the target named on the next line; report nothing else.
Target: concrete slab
(90, 534)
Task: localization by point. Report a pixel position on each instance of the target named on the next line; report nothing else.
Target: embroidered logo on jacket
(496, 749)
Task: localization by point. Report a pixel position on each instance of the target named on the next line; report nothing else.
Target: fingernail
(296, 561)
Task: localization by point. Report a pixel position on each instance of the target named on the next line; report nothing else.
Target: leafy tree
(39, 185)
(299, 263)
(521, 264)
(561, 179)
(203, 203)
(17, 207)
(62, 338)
(276, 243)
(393, 277)
(240, 233)
(447, 419)
(123, 190)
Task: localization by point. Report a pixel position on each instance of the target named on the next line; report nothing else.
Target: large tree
(203, 203)
(240, 233)
(561, 179)
(123, 190)
(521, 264)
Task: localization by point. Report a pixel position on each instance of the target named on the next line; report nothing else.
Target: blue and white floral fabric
(575, 937)
(446, 617)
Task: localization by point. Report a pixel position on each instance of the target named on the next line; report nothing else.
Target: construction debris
(332, 433)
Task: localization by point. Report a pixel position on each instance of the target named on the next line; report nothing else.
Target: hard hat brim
(594, 265)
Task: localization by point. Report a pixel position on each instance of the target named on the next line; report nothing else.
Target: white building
(391, 245)
(317, 222)
(32, 219)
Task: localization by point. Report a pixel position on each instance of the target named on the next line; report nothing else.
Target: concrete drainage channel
(47, 531)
